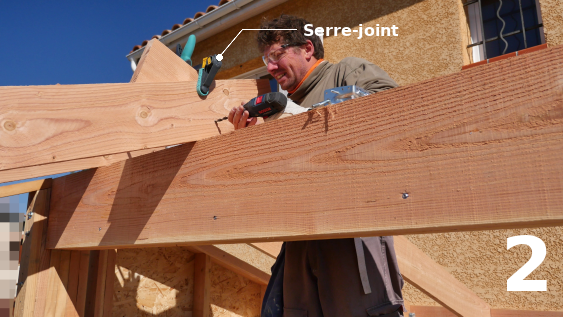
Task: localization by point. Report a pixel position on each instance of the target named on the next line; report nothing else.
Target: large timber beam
(40, 125)
(476, 150)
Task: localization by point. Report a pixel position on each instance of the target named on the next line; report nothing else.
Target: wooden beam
(22, 188)
(271, 249)
(35, 257)
(158, 64)
(202, 285)
(66, 166)
(469, 156)
(49, 124)
(432, 279)
(438, 311)
(233, 263)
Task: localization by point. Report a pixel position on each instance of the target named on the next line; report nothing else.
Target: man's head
(288, 54)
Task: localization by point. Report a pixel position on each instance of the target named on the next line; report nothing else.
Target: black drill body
(264, 105)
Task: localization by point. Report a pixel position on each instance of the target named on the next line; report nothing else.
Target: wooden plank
(73, 280)
(524, 313)
(35, 254)
(438, 311)
(202, 285)
(69, 166)
(101, 283)
(233, 263)
(53, 284)
(432, 279)
(269, 248)
(82, 283)
(62, 292)
(470, 157)
(27, 264)
(49, 124)
(91, 292)
(158, 63)
(22, 188)
(110, 279)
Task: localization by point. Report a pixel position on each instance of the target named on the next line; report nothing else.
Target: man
(339, 277)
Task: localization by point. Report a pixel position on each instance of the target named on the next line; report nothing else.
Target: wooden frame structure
(443, 155)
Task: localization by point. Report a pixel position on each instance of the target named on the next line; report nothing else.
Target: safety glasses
(276, 55)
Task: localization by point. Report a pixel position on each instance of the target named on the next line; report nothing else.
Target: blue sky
(80, 42)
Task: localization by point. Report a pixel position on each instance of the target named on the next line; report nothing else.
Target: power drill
(264, 106)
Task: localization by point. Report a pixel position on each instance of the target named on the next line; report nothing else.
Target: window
(509, 26)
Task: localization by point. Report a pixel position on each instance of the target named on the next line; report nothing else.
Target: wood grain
(470, 156)
(22, 188)
(73, 281)
(36, 256)
(432, 279)
(49, 124)
(202, 285)
(69, 166)
(158, 63)
(437, 311)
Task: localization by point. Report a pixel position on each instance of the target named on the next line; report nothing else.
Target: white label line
(220, 56)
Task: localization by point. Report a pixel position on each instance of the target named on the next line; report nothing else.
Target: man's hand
(239, 117)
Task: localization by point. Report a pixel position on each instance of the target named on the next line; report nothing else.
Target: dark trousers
(321, 278)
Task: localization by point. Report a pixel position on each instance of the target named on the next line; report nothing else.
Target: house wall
(431, 42)
(552, 15)
(481, 261)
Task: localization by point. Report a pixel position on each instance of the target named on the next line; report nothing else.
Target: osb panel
(430, 41)
(154, 282)
(233, 295)
(249, 255)
(481, 261)
(552, 15)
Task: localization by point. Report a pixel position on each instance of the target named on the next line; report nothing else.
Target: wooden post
(202, 285)
(35, 257)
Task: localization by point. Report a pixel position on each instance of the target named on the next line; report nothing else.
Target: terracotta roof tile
(177, 26)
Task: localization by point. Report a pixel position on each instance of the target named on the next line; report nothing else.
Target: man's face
(291, 68)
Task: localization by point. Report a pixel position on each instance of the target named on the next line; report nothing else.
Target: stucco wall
(430, 42)
(481, 261)
(552, 15)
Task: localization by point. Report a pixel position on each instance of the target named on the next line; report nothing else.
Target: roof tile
(178, 26)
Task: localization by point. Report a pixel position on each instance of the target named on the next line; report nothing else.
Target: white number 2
(516, 282)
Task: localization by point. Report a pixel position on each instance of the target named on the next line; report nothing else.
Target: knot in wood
(144, 114)
(10, 125)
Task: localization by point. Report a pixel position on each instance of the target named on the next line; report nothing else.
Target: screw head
(214, 217)
(405, 195)
(27, 233)
(100, 229)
